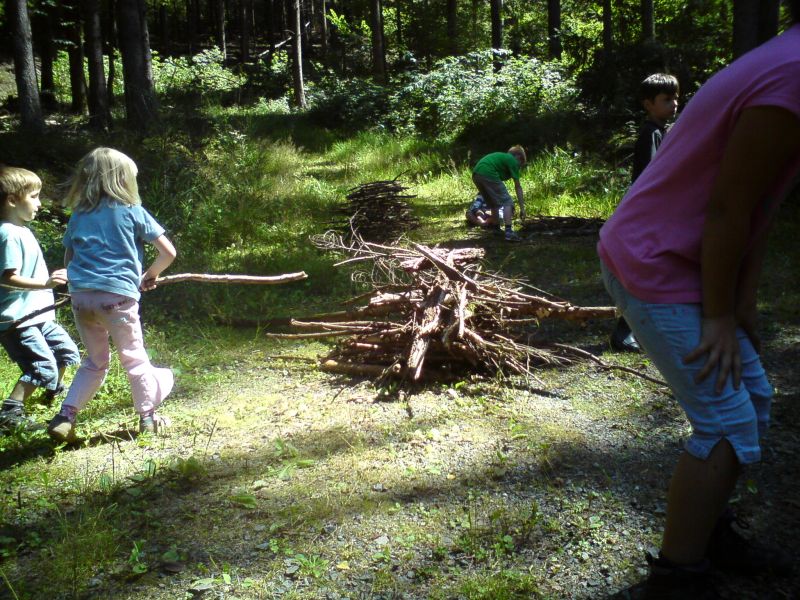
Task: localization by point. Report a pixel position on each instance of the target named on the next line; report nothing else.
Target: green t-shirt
(498, 166)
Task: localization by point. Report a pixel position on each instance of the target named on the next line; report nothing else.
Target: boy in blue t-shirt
(40, 347)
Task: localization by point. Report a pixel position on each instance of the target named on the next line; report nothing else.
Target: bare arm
(764, 141)
(166, 254)
(9, 278)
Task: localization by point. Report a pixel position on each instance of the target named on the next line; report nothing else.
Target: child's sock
(70, 412)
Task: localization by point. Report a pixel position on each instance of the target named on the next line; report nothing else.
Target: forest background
(249, 121)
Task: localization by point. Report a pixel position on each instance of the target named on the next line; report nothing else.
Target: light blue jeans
(667, 333)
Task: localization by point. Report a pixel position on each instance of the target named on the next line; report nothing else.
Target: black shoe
(14, 418)
(669, 581)
(622, 339)
(730, 550)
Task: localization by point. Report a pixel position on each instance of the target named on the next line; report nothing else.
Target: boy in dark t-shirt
(659, 97)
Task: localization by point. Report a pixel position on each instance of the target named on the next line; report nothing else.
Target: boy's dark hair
(659, 83)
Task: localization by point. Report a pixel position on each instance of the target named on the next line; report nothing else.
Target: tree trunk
(608, 32)
(163, 28)
(271, 25)
(244, 39)
(297, 57)
(111, 43)
(398, 23)
(378, 49)
(497, 23)
(30, 109)
(148, 56)
(191, 25)
(140, 102)
(221, 28)
(323, 30)
(745, 26)
(769, 11)
(452, 26)
(648, 21)
(77, 79)
(554, 28)
(99, 114)
(47, 53)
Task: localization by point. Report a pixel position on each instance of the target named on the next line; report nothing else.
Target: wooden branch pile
(378, 211)
(432, 313)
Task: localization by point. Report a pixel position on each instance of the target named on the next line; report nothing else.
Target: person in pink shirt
(681, 257)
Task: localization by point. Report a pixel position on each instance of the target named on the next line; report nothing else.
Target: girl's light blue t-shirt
(108, 248)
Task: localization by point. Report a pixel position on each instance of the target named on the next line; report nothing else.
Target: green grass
(278, 480)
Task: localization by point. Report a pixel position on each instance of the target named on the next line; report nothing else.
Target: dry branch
(247, 279)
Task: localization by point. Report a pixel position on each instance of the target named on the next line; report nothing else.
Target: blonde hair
(103, 175)
(15, 181)
(519, 151)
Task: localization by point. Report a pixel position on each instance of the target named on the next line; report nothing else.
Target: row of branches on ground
(434, 314)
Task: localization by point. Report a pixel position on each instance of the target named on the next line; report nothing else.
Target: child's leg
(28, 348)
(93, 369)
(149, 384)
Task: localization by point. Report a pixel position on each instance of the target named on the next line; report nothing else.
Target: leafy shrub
(202, 73)
(348, 103)
(465, 90)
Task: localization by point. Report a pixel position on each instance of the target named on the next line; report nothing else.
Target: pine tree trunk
(398, 23)
(163, 28)
(608, 32)
(221, 29)
(77, 79)
(191, 25)
(745, 26)
(648, 21)
(244, 38)
(323, 30)
(99, 114)
(497, 23)
(111, 43)
(140, 102)
(271, 25)
(554, 28)
(378, 51)
(297, 57)
(452, 26)
(47, 52)
(769, 12)
(30, 108)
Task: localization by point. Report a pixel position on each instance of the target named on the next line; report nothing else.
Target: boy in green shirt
(488, 176)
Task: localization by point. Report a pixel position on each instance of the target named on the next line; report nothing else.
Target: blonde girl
(104, 256)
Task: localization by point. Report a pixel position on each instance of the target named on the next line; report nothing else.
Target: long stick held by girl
(104, 255)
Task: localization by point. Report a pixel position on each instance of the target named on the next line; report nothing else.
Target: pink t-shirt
(652, 241)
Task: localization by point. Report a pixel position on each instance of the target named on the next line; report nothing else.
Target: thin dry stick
(17, 322)
(248, 279)
(605, 365)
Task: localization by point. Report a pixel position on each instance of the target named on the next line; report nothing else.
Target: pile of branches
(434, 314)
(378, 211)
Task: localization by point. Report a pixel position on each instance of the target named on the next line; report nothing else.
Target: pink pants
(98, 315)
